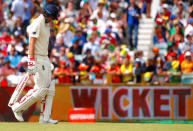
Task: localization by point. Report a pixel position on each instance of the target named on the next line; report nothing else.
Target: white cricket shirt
(40, 30)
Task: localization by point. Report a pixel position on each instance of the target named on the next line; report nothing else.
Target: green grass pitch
(98, 126)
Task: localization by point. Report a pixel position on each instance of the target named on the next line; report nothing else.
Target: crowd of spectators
(92, 39)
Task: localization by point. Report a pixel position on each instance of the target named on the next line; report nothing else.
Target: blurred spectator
(187, 64)
(101, 12)
(189, 28)
(108, 41)
(148, 8)
(115, 72)
(69, 12)
(6, 70)
(18, 9)
(19, 26)
(29, 10)
(62, 55)
(180, 9)
(164, 14)
(79, 36)
(88, 60)
(62, 73)
(150, 71)
(138, 70)
(115, 26)
(158, 60)
(22, 66)
(98, 72)
(66, 32)
(92, 44)
(158, 37)
(84, 74)
(178, 37)
(134, 14)
(76, 49)
(2, 6)
(85, 11)
(13, 58)
(127, 71)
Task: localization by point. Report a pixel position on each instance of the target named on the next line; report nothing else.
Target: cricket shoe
(50, 121)
(18, 115)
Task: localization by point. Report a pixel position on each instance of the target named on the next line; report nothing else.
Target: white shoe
(50, 121)
(18, 115)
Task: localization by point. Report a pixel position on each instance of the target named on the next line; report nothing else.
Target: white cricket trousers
(42, 80)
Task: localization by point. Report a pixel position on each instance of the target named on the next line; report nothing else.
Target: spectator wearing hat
(95, 24)
(62, 73)
(98, 71)
(158, 60)
(164, 15)
(84, 74)
(107, 39)
(101, 12)
(115, 26)
(66, 31)
(175, 64)
(187, 64)
(133, 16)
(172, 64)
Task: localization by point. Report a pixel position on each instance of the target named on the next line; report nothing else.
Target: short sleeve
(34, 29)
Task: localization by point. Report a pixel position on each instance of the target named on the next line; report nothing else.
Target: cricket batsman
(39, 66)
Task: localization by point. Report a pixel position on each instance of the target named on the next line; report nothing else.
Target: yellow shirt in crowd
(127, 69)
(187, 67)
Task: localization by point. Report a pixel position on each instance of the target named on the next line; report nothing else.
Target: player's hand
(32, 67)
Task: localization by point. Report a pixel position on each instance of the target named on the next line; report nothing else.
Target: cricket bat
(17, 92)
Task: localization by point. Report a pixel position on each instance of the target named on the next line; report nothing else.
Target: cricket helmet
(51, 10)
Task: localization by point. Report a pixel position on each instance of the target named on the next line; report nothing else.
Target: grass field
(99, 126)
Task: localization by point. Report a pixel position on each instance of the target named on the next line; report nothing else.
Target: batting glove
(31, 67)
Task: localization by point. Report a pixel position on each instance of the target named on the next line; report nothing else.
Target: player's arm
(32, 42)
(31, 63)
